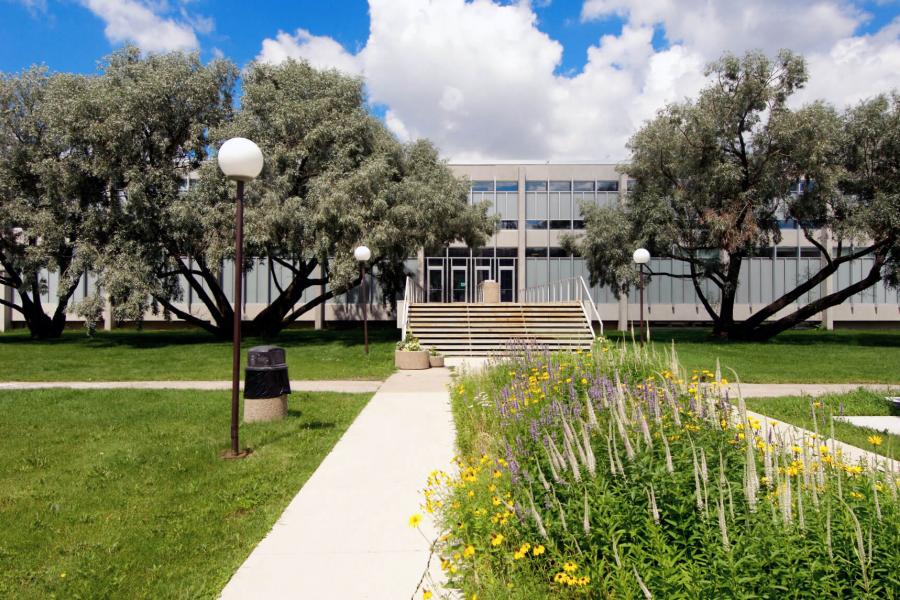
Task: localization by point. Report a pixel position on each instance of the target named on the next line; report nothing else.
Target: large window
(560, 208)
(508, 204)
(536, 214)
(583, 193)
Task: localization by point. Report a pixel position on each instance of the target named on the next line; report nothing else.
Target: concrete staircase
(481, 329)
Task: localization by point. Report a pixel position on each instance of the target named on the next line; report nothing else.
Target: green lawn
(808, 356)
(122, 493)
(129, 355)
(797, 411)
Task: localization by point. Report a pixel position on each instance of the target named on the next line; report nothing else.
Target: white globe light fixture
(641, 257)
(363, 254)
(240, 159)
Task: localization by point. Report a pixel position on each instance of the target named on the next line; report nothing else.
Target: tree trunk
(724, 325)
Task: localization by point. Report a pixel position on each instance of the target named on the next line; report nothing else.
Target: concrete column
(420, 267)
(827, 286)
(623, 313)
(6, 292)
(107, 314)
(319, 318)
(520, 256)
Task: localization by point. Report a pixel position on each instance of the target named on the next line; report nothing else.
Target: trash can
(266, 384)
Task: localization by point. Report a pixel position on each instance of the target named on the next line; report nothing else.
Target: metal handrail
(413, 292)
(572, 289)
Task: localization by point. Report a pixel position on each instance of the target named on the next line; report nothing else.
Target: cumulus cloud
(481, 79)
(135, 22)
(320, 51)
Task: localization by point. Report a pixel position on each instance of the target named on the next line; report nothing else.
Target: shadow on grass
(808, 337)
(149, 338)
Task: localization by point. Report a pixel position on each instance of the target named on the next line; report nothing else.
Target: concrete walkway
(346, 533)
(773, 390)
(347, 386)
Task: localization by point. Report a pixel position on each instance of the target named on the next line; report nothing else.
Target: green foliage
(715, 175)
(410, 344)
(619, 474)
(123, 494)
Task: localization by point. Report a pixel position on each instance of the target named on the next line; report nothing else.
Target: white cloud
(134, 21)
(481, 80)
(321, 51)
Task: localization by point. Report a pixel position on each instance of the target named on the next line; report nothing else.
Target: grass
(800, 356)
(797, 410)
(123, 494)
(189, 354)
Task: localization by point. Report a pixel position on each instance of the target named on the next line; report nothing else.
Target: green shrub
(616, 474)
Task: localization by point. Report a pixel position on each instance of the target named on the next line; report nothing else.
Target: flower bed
(616, 474)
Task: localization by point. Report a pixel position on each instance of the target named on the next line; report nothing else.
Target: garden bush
(615, 473)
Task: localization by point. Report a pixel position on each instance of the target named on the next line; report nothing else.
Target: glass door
(459, 279)
(435, 283)
(507, 283)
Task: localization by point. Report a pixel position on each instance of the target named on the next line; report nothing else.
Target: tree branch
(188, 317)
(12, 305)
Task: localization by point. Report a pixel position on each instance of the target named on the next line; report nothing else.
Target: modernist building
(536, 204)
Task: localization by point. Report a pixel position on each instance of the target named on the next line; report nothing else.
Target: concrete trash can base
(265, 409)
(407, 360)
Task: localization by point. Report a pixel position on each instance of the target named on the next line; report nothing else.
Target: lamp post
(641, 257)
(363, 254)
(240, 160)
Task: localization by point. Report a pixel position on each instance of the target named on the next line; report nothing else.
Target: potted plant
(410, 354)
(435, 358)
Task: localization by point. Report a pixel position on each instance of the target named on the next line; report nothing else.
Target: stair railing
(412, 292)
(572, 289)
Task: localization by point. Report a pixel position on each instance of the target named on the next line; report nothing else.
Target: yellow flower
(538, 550)
(570, 567)
(856, 495)
(875, 440)
(469, 551)
(496, 474)
(497, 539)
(62, 575)
(426, 594)
(583, 381)
(415, 520)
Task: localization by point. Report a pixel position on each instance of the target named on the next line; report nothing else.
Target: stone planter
(411, 360)
(436, 361)
(265, 409)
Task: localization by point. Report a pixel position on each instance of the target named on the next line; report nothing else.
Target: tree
(52, 204)
(333, 178)
(714, 176)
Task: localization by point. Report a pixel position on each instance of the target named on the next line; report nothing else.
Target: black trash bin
(267, 374)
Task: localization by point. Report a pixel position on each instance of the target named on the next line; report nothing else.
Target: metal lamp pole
(240, 160)
(642, 257)
(363, 254)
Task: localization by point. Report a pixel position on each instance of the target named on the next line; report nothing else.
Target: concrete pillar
(107, 314)
(319, 318)
(623, 313)
(6, 292)
(827, 286)
(520, 256)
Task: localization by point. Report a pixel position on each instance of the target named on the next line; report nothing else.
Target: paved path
(773, 390)
(345, 535)
(349, 385)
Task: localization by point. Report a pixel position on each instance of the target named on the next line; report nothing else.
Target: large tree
(714, 176)
(52, 203)
(334, 178)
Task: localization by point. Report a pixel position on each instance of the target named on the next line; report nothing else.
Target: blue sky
(66, 36)
(538, 79)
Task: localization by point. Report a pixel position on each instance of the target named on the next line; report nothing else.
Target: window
(508, 204)
(560, 186)
(482, 186)
(507, 252)
(560, 207)
(559, 253)
(536, 210)
(585, 186)
(536, 252)
(607, 186)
